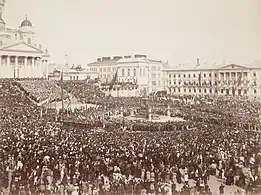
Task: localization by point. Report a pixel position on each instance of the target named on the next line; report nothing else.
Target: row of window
(128, 72)
(108, 79)
(106, 69)
(74, 77)
(209, 82)
(119, 88)
(222, 91)
(93, 69)
(227, 74)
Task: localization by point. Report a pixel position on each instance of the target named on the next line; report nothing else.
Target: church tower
(2, 22)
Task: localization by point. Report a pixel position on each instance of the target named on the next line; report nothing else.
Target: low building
(230, 80)
(72, 74)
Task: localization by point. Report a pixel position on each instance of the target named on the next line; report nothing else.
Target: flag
(113, 81)
(62, 75)
(69, 103)
(199, 79)
(48, 102)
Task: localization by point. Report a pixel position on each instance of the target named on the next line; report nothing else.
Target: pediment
(22, 47)
(232, 66)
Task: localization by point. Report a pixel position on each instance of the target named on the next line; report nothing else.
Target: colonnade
(22, 67)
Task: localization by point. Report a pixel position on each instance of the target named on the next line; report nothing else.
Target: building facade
(137, 69)
(20, 55)
(229, 80)
(72, 75)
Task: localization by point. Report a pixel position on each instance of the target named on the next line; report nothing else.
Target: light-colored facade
(20, 56)
(137, 69)
(72, 75)
(123, 90)
(229, 80)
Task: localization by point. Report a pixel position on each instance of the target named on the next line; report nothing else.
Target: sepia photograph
(130, 97)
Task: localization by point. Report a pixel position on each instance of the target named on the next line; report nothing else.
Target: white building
(228, 80)
(20, 55)
(72, 75)
(137, 69)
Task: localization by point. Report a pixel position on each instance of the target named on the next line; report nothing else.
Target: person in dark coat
(221, 189)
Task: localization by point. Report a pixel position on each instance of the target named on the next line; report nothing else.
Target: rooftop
(205, 66)
(137, 60)
(122, 59)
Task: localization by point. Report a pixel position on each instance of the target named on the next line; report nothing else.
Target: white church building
(20, 55)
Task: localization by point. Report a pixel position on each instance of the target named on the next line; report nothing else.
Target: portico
(22, 61)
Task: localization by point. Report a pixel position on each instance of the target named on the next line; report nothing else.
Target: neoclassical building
(136, 69)
(20, 55)
(224, 80)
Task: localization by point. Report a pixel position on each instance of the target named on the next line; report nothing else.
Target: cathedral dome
(26, 23)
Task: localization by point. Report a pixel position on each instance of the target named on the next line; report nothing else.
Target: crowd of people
(82, 90)
(40, 155)
(40, 90)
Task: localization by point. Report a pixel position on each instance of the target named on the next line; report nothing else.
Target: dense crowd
(39, 155)
(82, 90)
(40, 90)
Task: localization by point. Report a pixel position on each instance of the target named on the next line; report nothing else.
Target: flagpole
(62, 89)
(65, 63)
(118, 89)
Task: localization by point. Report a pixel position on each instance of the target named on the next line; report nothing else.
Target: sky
(216, 31)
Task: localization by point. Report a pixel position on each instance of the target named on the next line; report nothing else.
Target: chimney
(198, 62)
(117, 57)
(98, 59)
(127, 57)
(106, 58)
(140, 56)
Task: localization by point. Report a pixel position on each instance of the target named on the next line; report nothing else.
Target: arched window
(122, 72)
(134, 72)
(29, 41)
(128, 72)
(21, 37)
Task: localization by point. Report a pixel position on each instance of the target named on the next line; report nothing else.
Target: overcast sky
(174, 30)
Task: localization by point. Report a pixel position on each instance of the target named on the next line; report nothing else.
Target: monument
(145, 111)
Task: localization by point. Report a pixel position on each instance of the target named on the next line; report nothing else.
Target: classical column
(25, 67)
(46, 69)
(236, 78)
(25, 61)
(36, 68)
(32, 67)
(9, 70)
(8, 60)
(16, 67)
